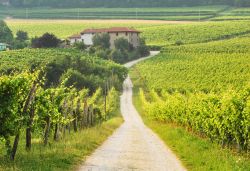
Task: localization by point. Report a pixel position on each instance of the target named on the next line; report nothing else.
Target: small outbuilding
(3, 46)
(75, 38)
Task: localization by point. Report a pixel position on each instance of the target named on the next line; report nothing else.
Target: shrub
(46, 41)
(119, 56)
(142, 49)
(80, 45)
(122, 44)
(179, 42)
(102, 40)
(22, 36)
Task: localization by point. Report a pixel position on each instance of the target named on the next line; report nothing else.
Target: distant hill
(122, 3)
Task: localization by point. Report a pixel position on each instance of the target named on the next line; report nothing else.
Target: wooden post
(85, 112)
(47, 129)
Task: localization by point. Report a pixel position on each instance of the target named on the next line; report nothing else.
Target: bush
(154, 47)
(119, 56)
(80, 45)
(179, 42)
(46, 41)
(22, 36)
(17, 44)
(143, 50)
(102, 40)
(122, 44)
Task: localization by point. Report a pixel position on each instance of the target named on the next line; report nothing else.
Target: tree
(46, 41)
(122, 44)
(6, 35)
(119, 56)
(22, 36)
(102, 40)
(143, 48)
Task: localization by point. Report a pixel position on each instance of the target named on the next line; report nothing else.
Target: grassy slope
(195, 152)
(66, 154)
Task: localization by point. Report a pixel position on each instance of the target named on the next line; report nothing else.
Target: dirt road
(133, 147)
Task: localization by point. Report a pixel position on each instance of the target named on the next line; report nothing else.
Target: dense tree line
(126, 3)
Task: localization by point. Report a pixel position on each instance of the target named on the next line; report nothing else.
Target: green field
(155, 32)
(195, 94)
(185, 13)
(234, 14)
(201, 87)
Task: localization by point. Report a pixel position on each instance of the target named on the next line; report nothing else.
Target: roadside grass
(67, 154)
(196, 153)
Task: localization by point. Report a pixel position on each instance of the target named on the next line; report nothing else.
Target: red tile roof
(75, 36)
(111, 30)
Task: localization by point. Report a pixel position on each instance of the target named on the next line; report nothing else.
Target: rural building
(3, 46)
(75, 38)
(87, 35)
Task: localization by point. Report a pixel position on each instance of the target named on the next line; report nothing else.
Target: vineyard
(155, 33)
(194, 33)
(203, 87)
(47, 93)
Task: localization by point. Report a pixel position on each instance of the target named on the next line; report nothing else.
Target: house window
(126, 33)
(117, 34)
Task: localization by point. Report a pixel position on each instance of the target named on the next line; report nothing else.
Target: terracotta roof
(111, 30)
(75, 36)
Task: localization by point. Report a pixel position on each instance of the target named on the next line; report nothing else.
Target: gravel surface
(133, 146)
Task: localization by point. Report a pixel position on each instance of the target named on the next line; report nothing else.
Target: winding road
(133, 146)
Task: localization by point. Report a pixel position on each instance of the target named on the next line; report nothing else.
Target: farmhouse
(86, 36)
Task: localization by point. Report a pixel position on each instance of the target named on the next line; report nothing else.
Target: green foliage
(6, 35)
(22, 35)
(56, 62)
(17, 44)
(47, 40)
(80, 45)
(119, 56)
(194, 33)
(221, 117)
(28, 105)
(203, 87)
(143, 49)
(122, 44)
(102, 40)
(13, 93)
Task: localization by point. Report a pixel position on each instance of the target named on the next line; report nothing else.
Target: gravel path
(133, 146)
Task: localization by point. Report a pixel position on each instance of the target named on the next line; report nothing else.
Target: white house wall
(72, 41)
(87, 39)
